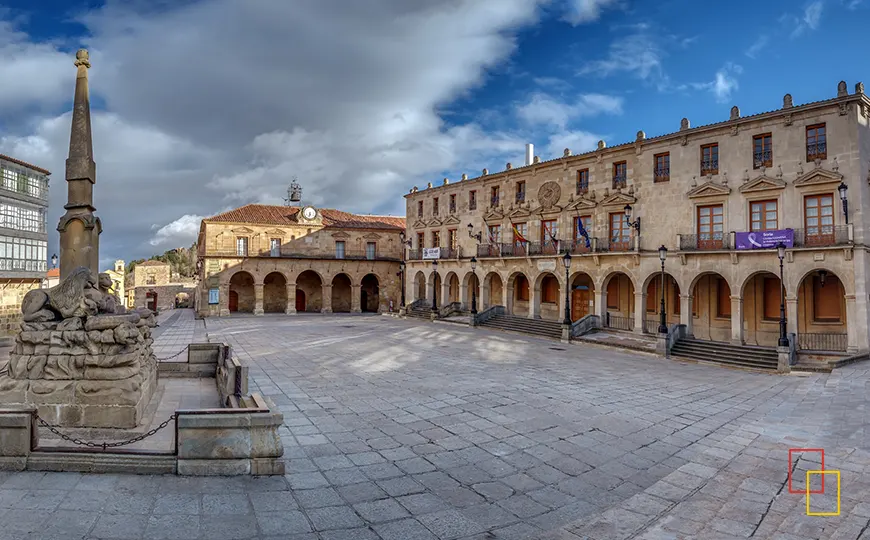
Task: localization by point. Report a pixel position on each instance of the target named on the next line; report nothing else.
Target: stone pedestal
(783, 365)
(95, 371)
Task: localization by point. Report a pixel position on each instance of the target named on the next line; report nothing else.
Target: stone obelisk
(79, 228)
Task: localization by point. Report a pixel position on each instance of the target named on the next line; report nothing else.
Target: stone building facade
(155, 287)
(118, 275)
(23, 238)
(706, 194)
(289, 259)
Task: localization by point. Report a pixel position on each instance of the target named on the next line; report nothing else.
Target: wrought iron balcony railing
(703, 242)
(826, 235)
(817, 150)
(619, 181)
(583, 187)
(493, 201)
(356, 255)
(662, 174)
(615, 244)
(709, 166)
(762, 159)
(521, 196)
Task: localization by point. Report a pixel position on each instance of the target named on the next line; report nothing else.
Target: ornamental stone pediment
(340, 234)
(582, 204)
(435, 222)
(242, 230)
(419, 224)
(618, 199)
(550, 210)
(817, 177)
(372, 236)
(275, 232)
(519, 213)
(708, 189)
(494, 214)
(762, 183)
(452, 220)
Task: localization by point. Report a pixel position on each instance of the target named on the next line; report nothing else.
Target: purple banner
(764, 239)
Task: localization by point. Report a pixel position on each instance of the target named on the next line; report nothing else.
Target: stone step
(755, 364)
(718, 345)
(733, 353)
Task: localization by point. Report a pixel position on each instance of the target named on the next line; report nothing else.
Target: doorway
(234, 301)
(300, 300)
(151, 301)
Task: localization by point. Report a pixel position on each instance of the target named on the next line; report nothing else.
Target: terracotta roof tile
(54, 272)
(286, 215)
(24, 164)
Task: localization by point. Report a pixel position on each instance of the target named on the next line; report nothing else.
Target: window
(662, 167)
(771, 299)
(420, 240)
(339, 249)
(582, 181)
(613, 293)
(819, 219)
(451, 238)
(435, 206)
(709, 159)
(521, 284)
(710, 226)
(620, 233)
(520, 234)
(652, 296)
(419, 208)
(242, 246)
(23, 182)
(275, 247)
(763, 216)
(817, 142)
(22, 218)
(494, 234)
(619, 170)
(723, 299)
(549, 233)
(579, 241)
(521, 191)
(762, 151)
(436, 238)
(472, 200)
(549, 290)
(371, 250)
(493, 196)
(151, 280)
(826, 307)
(452, 203)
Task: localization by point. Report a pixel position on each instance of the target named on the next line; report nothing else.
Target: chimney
(530, 153)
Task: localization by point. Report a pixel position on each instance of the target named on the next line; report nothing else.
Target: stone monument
(80, 358)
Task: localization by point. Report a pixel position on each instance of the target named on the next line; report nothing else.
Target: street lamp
(474, 286)
(54, 261)
(566, 260)
(634, 224)
(663, 323)
(783, 340)
(402, 277)
(478, 236)
(822, 275)
(842, 189)
(434, 287)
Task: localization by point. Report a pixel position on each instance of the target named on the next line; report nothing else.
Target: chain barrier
(104, 445)
(176, 355)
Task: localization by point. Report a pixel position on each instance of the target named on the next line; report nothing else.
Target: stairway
(419, 312)
(744, 356)
(535, 327)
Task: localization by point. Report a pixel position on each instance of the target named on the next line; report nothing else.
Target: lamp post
(634, 224)
(842, 189)
(54, 261)
(663, 323)
(566, 260)
(783, 339)
(434, 287)
(474, 286)
(402, 278)
(471, 234)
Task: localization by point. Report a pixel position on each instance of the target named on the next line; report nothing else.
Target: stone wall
(11, 294)
(143, 272)
(165, 295)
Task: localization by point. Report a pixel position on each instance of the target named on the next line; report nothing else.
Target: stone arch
(710, 306)
(471, 290)
(618, 300)
(274, 293)
(821, 303)
(452, 282)
(493, 290)
(433, 285)
(309, 292)
(519, 295)
(241, 292)
(370, 294)
(548, 297)
(761, 297)
(582, 295)
(652, 297)
(342, 293)
(420, 286)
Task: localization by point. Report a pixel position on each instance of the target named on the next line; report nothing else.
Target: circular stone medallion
(549, 194)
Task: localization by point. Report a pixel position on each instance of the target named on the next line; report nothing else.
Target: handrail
(487, 314)
(585, 324)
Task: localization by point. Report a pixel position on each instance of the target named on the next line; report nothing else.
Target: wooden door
(579, 303)
(300, 300)
(234, 301)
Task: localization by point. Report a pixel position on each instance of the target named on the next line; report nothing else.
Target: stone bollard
(18, 436)
(783, 365)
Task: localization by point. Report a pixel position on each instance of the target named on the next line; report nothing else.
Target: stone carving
(859, 88)
(800, 168)
(842, 89)
(537, 159)
(835, 165)
(779, 172)
(735, 112)
(787, 102)
(549, 194)
(844, 109)
(429, 185)
(684, 124)
(464, 176)
(746, 174)
(684, 141)
(567, 152)
(788, 119)
(508, 166)
(485, 172)
(446, 181)
(602, 145)
(641, 135)
(67, 299)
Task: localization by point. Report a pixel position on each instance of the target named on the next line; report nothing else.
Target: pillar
(444, 299)
(851, 328)
(639, 311)
(508, 293)
(290, 308)
(483, 299)
(686, 317)
(600, 307)
(258, 298)
(326, 294)
(430, 289)
(736, 320)
(791, 315)
(355, 300)
(224, 300)
(464, 295)
(534, 301)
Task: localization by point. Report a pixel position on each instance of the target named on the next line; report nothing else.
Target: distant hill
(182, 261)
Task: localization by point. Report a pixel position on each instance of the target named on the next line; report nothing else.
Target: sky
(199, 106)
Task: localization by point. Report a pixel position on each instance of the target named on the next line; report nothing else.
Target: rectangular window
(435, 206)
(493, 196)
(421, 240)
(819, 219)
(451, 238)
(582, 181)
(472, 200)
(763, 216)
(662, 167)
(275, 247)
(710, 226)
(151, 280)
(826, 307)
(817, 142)
(436, 238)
(494, 234)
(771, 299)
(371, 250)
(652, 296)
(613, 293)
(339, 249)
(587, 224)
(762, 151)
(419, 208)
(549, 233)
(521, 192)
(619, 174)
(723, 299)
(242, 246)
(521, 234)
(709, 159)
(620, 233)
(452, 203)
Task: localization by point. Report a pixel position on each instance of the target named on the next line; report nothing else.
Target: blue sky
(204, 105)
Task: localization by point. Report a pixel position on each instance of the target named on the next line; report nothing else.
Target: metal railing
(662, 174)
(709, 166)
(493, 201)
(615, 245)
(817, 150)
(823, 341)
(582, 187)
(348, 254)
(579, 246)
(702, 242)
(619, 181)
(762, 158)
(618, 322)
(826, 235)
(650, 326)
(521, 196)
(543, 248)
(446, 253)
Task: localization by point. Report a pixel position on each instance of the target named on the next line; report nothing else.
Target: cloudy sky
(203, 105)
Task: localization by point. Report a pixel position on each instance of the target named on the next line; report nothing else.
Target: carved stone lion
(66, 299)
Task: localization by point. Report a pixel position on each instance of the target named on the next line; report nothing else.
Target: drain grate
(556, 349)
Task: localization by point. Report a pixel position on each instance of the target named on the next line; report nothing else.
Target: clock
(309, 213)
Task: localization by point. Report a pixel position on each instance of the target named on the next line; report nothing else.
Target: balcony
(704, 242)
(619, 181)
(662, 175)
(817, 150)
(446, 253)
(709, 166)
(452, 208)
(817, 237)
(762, 159)
(493, 202)
(521, 196)
(578, 246)
(616, 244)
(582, 187)
(353, 255)
(823, 236)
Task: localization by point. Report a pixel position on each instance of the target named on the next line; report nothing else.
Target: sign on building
(764, 239)
(213, 296)
(431, 253)
(545, 266)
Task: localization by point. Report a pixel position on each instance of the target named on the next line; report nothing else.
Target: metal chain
(176, 355)
(105, 445)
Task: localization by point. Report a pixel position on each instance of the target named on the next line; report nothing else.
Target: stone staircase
(743, 356)
(419, 312)
(535, 327)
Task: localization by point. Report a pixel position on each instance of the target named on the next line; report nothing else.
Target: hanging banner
(764, 239)
(431, 253)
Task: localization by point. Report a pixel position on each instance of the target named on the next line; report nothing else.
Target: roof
(24, 164)
(286, 215)
(54, 272)
(152, 262)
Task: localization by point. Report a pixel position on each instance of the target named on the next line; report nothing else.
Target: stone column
(444, 299)
(686, 317)
(464, 296)
(791, 315)
(851, 328)
(258, 298)
(483, 299)
(355, 300)
(508, 291)
(224, 300)
(290, 308)
(534, 301)
(430, 291)
(600, 307)
(736, 320)
(326, 300)
(639, 311)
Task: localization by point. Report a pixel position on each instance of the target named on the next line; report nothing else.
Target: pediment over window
(452, 220)
(582, 204)
(419, 224)
(618, 199)
(519, 213)
(275, 232)
(242, 230)
(372, 236)
(340, 235)
(816, 177)
(762, 183)
(708, 189)
(551, 210)
(435, 222)
(494, 214)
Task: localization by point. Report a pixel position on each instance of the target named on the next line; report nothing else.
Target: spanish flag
(517, 236)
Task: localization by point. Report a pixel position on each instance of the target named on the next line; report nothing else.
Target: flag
(492, 236)
(581, 231)
(550, 234)
(518, 237)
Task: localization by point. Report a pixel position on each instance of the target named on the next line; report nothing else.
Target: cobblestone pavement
(406, 430)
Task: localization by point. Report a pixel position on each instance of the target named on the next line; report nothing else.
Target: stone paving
(410, 430)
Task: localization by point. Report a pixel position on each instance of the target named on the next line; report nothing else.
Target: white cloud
(180, 233)
(547, 110)
(757, 46)
(30, 72)
(724, 82)
(586, 11)
(638, 54)
(578, 141)
(813, 13)
(810, 18)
